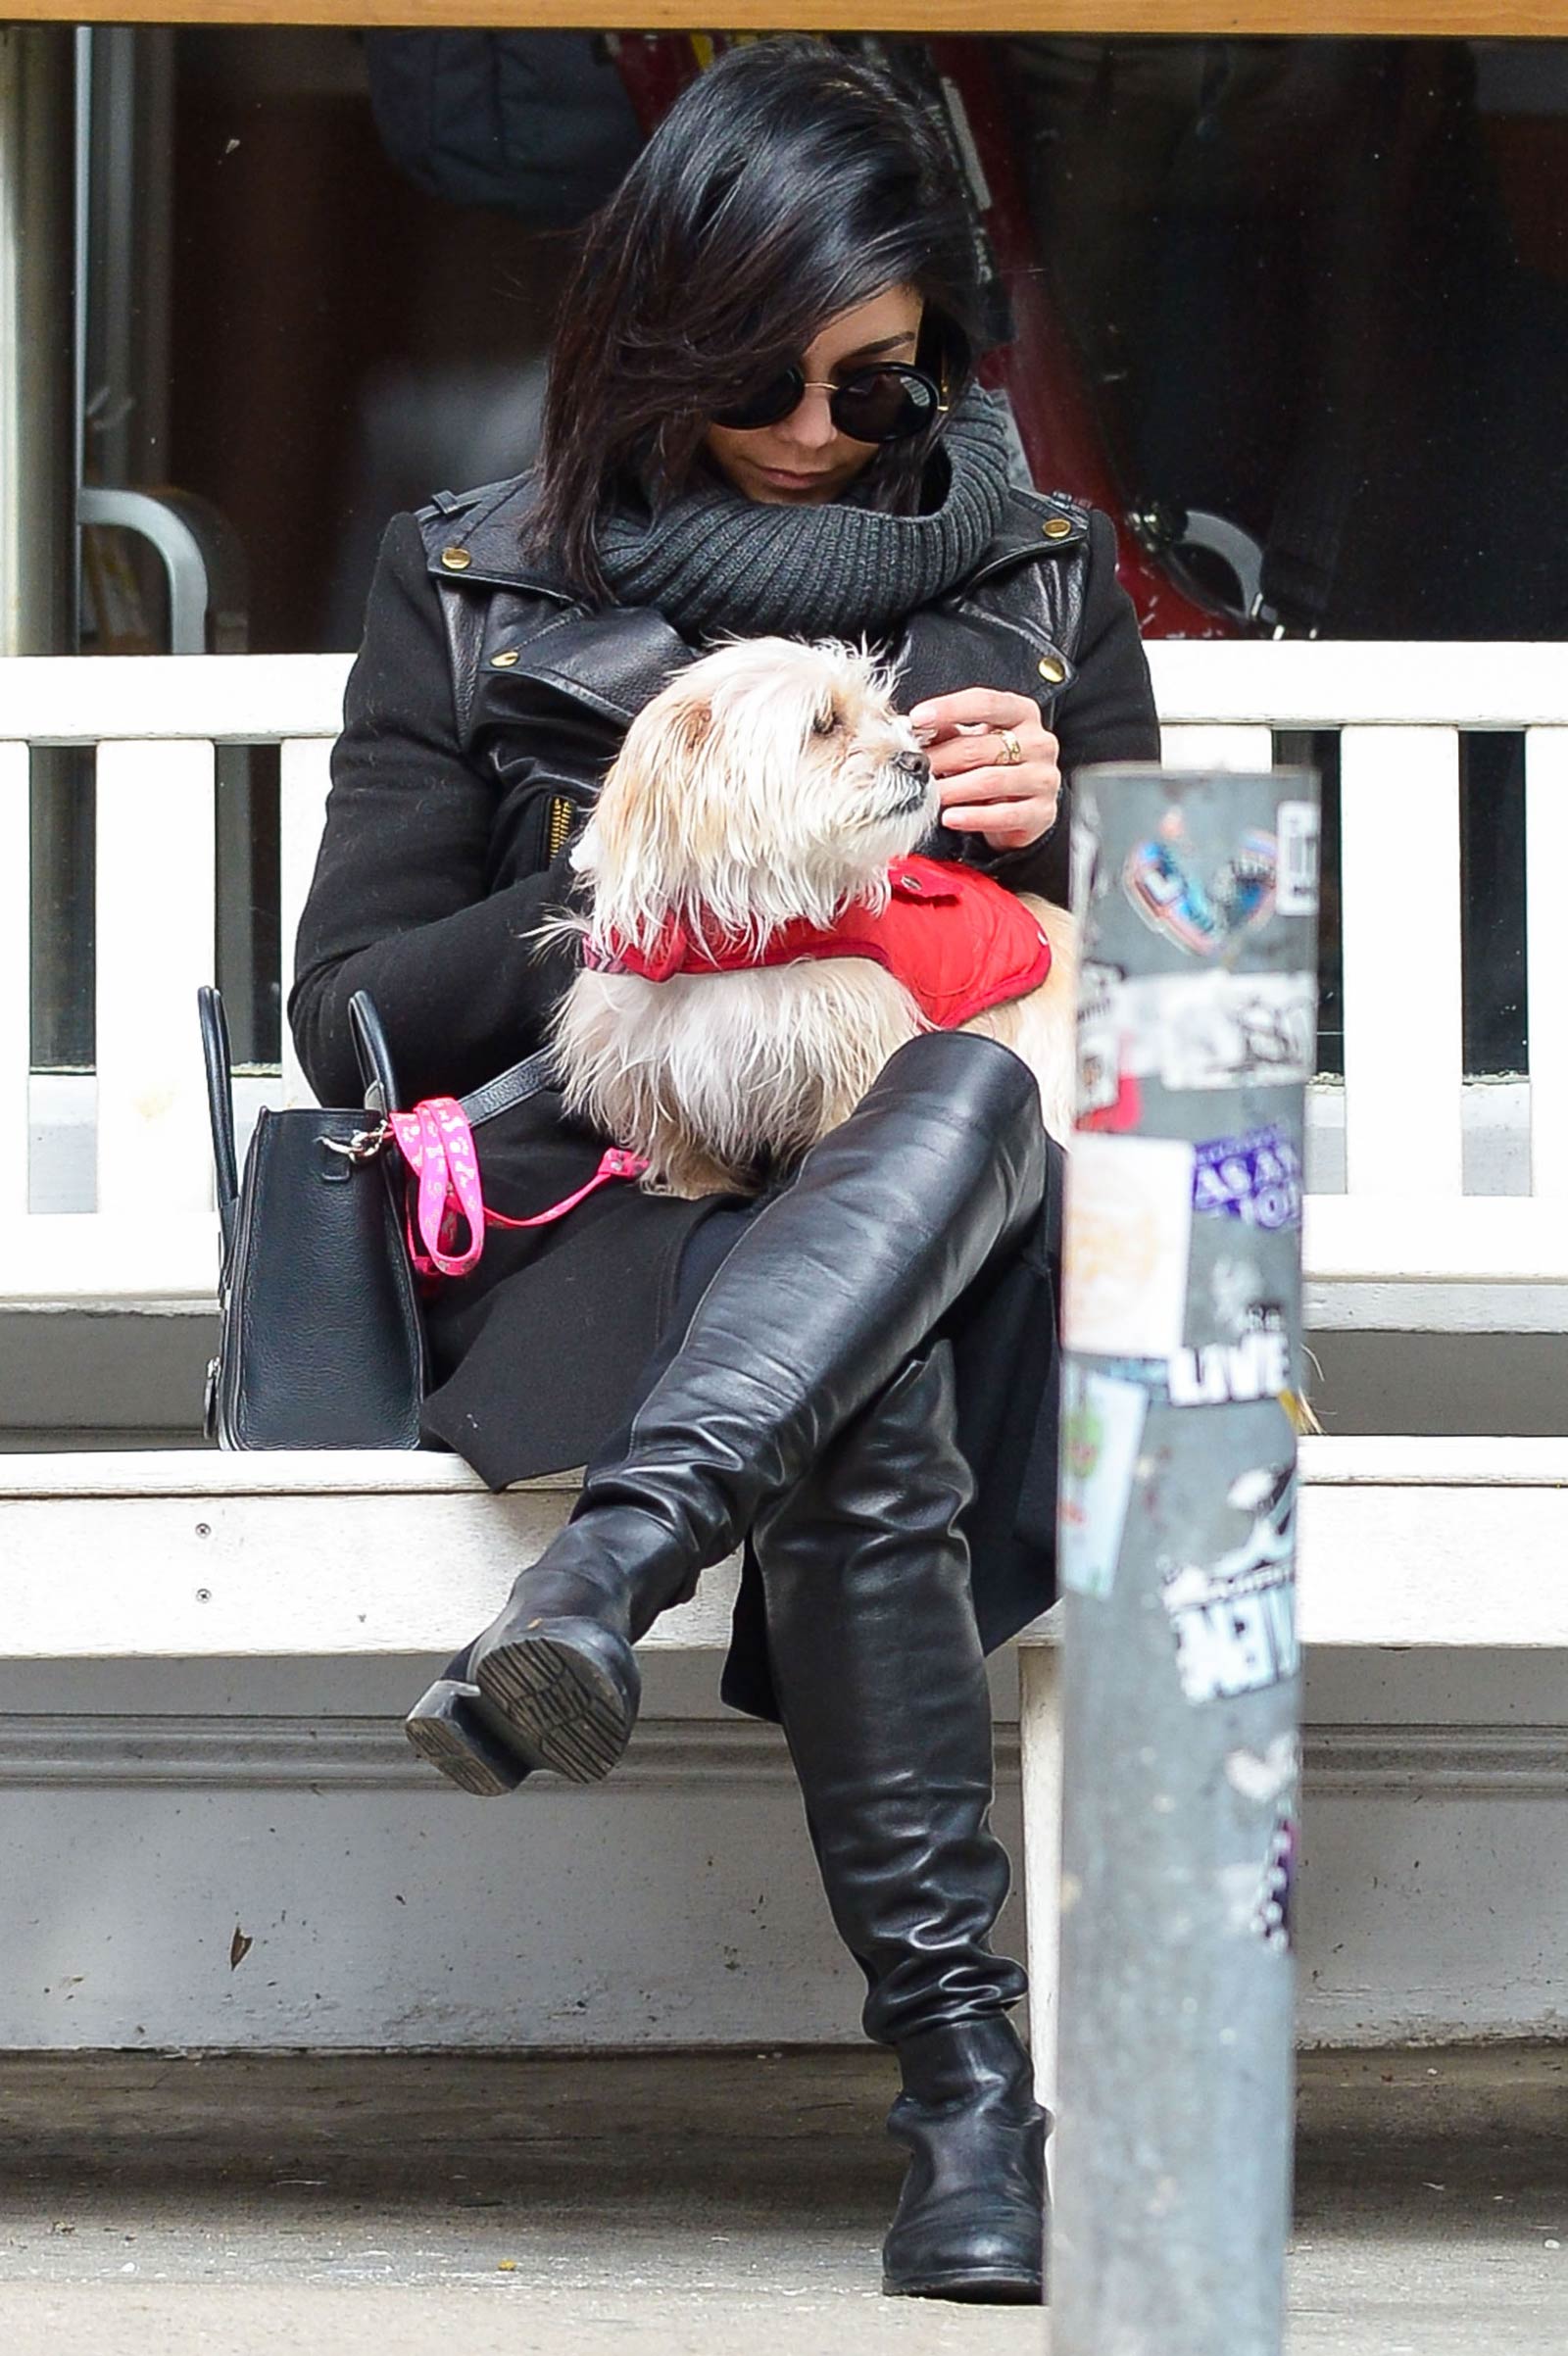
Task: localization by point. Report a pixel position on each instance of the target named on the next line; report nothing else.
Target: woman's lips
(782, 479)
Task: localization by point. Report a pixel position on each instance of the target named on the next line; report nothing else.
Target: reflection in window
(1298, 311)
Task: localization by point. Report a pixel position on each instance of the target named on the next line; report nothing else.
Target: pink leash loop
(615, 1162)
(437, 1143)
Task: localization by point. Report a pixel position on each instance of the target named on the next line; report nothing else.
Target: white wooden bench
(191, 1554)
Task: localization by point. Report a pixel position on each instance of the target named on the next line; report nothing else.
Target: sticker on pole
(1108, 1097)
(1295, 893)
(1102, 1425)
(1129, 1226)
(1205, 914)
(1234, 1620)
(1084, 863)
(1219, 1374)
(1273, 1919)
(1255, 1178)
(1261, 1900)
(1221, 1029)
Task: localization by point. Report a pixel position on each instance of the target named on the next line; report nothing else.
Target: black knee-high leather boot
(449, 1723)
(881, 1682)
(830, 1289)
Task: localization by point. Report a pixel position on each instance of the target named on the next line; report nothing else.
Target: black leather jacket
(488, 701)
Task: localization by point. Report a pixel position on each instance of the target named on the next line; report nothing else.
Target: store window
(1295, 311)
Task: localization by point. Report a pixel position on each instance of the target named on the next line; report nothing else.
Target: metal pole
(1197, 898)
(38, 433)
(37, 359)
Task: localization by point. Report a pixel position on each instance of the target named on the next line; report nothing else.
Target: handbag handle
(513, 1086)
(374, 1055)
(221, 1110)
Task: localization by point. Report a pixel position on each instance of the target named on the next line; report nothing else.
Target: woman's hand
(1011, 801)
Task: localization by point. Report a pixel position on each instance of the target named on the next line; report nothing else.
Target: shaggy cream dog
(769, 785)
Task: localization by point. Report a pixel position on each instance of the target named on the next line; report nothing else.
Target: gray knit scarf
(715, 562)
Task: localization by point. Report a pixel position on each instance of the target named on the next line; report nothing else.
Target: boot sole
(446, 1728)
(973, 2289)
(563, 1702)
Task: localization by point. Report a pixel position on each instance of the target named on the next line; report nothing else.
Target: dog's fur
(769, 781)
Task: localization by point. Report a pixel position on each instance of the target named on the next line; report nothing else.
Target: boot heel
(568, 1692)
(444, 1727)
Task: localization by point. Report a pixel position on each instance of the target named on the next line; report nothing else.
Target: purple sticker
(1255, 1178)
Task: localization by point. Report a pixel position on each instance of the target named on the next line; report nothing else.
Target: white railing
(1403, 1219)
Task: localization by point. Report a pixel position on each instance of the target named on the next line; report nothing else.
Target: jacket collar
(477, 536)
(1033, 525)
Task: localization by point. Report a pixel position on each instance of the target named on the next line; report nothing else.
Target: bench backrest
(1404, 1217)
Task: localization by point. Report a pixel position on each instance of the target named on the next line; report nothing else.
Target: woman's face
(803, 460)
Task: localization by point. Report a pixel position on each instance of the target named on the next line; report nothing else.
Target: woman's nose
(809, 423)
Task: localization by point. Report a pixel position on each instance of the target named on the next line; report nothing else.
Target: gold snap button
(1056, 528)
(1049, 668)
(505, 660)
(456, 559)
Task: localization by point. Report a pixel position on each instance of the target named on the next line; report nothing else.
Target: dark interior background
(1273, 259)
(1316, 288)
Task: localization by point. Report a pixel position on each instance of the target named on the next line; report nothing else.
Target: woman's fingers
(986, 788)
(987, 749)
(1009, 807)
(973, 706)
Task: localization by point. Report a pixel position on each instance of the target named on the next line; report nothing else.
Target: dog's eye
(826, 721)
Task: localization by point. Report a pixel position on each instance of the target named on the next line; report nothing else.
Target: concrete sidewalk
(684, 2204)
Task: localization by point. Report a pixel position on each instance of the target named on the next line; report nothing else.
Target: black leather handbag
(320, 1341)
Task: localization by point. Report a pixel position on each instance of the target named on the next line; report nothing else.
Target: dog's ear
(636, 851)
(691, 727)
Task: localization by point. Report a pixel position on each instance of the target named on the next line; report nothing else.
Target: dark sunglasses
(887, 403)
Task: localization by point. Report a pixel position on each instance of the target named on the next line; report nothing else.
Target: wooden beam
(1493, 20)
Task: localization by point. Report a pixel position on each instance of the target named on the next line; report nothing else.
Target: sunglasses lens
(765, 406)
(885, 405)
(874, 405)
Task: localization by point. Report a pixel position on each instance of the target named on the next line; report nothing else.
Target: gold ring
(1012, 750)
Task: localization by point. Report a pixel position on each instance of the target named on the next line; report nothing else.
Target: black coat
(481, 713)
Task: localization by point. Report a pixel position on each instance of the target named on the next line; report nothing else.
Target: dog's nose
(913, 764)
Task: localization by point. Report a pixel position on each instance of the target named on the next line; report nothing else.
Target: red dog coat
(957, 942)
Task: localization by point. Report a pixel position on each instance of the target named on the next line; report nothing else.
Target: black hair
(787, 184)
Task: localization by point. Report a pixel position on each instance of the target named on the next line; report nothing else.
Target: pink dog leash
(437, 1143)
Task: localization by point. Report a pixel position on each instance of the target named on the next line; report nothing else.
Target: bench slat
(16, 960)
(252, 1563)
(1366, 1461)
(231, 699)
(61, 1259)
(210, 1472)
(1546, 955)
(1400, 896)
(278, 1575)
(66, 1259)
(1218, 748)
(260, 698)
(1475, 1238)
(1330, 683)
(305, 776)
(156, 819)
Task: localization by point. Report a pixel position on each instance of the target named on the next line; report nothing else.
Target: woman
(761, 417)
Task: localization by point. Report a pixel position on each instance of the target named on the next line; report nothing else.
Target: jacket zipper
(562, 814)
